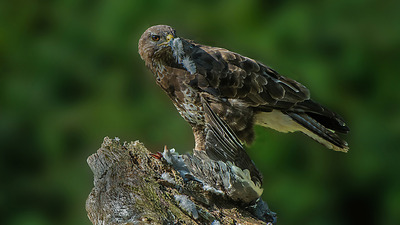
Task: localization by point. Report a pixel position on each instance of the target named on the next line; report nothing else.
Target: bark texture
(131, 186)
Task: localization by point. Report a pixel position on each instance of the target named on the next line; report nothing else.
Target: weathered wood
(133, 187)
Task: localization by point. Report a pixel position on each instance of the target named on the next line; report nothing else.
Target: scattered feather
(215, 222)
(207, 187)
(168, 178)
(186, 204)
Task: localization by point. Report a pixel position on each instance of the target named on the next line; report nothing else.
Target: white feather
(283, 123)
(181, 57)
(186, 204)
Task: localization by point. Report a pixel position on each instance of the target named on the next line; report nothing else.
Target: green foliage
(70, 75)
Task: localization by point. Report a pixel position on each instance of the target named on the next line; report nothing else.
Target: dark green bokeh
(70, 75)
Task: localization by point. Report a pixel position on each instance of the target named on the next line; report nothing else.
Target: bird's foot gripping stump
(133, 187)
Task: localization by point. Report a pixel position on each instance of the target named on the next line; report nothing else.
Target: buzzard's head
(155, 41)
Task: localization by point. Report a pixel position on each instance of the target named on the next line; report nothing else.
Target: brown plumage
(241, 91)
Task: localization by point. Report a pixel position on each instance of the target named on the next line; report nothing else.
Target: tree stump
(133, 186)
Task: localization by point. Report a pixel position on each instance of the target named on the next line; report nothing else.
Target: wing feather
(223, 144)
(237, 76)
(230, 75)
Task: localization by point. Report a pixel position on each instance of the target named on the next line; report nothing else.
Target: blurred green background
(70, 74)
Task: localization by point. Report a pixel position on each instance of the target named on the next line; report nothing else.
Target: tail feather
(319, 132)
(301, 121)
(324, 116)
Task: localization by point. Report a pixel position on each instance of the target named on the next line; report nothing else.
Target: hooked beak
(169, 38)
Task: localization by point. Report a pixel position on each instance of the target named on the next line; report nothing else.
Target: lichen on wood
(131, 186)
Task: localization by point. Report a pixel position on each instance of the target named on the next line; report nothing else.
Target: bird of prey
(241, 91)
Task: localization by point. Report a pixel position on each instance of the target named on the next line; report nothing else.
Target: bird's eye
(155, 37)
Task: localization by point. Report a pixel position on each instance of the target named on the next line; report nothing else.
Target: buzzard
(239, 90)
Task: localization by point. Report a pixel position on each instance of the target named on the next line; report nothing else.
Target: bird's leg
(199, 138)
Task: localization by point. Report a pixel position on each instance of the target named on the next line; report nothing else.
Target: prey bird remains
(241, 91)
